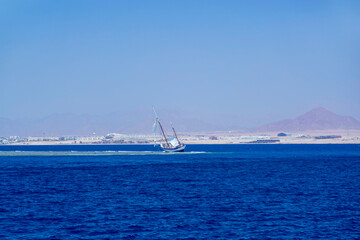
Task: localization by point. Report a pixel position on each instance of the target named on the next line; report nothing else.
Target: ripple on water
(189, 196)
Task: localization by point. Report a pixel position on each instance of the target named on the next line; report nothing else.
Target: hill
(134, 122)
(316, 119)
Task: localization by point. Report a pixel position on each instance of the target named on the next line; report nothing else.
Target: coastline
(304, 137)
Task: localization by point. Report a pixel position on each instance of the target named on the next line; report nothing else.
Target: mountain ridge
(68, 124)
(316, 119)
(140, 122)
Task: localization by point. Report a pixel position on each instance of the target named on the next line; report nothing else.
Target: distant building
(284, 134)
(328, 137)
(266, 141)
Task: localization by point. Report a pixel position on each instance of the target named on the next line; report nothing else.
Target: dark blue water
(229, 192)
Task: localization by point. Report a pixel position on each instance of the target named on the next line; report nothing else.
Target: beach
(232, 137)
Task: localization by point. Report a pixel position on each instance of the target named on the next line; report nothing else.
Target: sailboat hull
(176, 149)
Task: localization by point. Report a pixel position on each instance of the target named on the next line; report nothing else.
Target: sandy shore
(304, 137)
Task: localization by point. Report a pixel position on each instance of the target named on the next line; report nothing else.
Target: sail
(154, 127)
(174, 142)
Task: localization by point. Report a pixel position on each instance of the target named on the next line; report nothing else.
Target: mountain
(316, 119)
(133, 122)
(140, 121)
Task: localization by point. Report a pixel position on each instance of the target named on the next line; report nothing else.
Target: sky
(254, 61)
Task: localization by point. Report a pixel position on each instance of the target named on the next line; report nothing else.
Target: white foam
(91, 153)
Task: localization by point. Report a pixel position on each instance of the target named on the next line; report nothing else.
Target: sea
(245, 191)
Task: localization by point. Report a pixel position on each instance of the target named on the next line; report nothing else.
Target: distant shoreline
(193, 143)
(230, 137)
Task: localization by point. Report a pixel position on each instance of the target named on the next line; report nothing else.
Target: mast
(175, 134)
(162, 130)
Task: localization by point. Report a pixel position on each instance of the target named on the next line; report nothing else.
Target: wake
(91, 153)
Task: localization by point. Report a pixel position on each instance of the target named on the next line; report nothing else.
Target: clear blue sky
(259, 60)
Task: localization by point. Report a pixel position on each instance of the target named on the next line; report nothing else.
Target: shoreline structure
(230, 137)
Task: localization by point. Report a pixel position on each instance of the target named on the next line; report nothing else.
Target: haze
(255, 61)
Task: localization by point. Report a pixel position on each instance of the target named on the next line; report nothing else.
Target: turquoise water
(209, 192)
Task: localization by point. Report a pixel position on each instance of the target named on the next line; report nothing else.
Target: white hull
(176, 149)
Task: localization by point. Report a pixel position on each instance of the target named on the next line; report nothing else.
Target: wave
(90, 153)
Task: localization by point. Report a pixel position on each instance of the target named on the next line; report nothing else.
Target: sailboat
(171, 144)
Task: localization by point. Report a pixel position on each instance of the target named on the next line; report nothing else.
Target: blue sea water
(210, 192)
